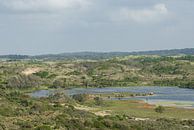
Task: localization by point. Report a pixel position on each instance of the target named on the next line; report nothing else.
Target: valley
(126, 92)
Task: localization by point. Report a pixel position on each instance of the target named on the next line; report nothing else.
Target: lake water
(166, 96)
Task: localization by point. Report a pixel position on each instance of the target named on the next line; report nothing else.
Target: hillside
(59, 111)
(120, 71)
(20, 111)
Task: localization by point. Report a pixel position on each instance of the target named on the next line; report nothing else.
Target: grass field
(143, 110)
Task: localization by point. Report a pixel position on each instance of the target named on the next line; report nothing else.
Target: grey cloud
(43, 5)
(94, 25)
(155, 13)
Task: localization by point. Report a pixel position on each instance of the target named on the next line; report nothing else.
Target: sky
(55, 26)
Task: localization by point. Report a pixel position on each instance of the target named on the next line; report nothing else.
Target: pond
(166, 96)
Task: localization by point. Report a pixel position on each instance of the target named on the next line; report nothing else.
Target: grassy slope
(121, 71)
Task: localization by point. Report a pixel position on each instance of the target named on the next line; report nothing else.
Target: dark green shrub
(57, 104)
(80, 97)
(6, 110)
(98, 124)
(25, 125)
(42, 74)
(98, 101)
(58, 83)
(159, 109)
(44, 127)
(26, 103)
(88, 123)
(121, 126)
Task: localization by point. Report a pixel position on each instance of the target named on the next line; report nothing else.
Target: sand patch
(93, 110)
(30, 71)
(103, 113)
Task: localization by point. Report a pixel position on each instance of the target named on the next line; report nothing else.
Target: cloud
(43, 5)
(154, 13)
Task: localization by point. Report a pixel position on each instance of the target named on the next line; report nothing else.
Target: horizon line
(73, 52)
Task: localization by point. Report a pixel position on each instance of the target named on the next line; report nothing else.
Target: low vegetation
(19, 111)
(119, 71)
(160, 109)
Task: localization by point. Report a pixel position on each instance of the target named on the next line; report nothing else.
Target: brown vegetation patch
(146, 106)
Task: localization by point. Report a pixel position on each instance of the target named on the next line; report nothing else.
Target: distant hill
(83, 55)
(14, 57)
(186, 51)
(100, 55)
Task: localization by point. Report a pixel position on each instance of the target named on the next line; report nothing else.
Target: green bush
(26, 102)
(80, 97)
(159, 109)
(42, 74)
(24, 125)
(98, 101)
(6, 110)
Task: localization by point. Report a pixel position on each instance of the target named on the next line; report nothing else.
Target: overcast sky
(55, 26)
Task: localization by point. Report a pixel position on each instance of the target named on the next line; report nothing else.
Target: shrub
(159, 109)
(42, 74)
(80, 97)
(98, 101)
(58, 83)
(23, 81)
(44, 127)
(25, 102)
